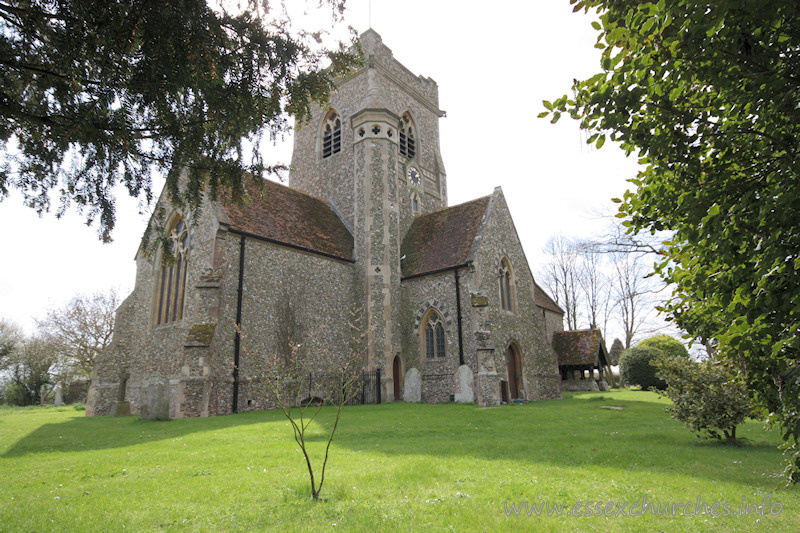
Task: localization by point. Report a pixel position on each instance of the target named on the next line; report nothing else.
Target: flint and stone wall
(367, 182)
(553, 322)
(436, 291)
(294, 295)
(382, 83)
(176, 350)
(288, 294)
(487, 329)
(289, 297)
(524, 325)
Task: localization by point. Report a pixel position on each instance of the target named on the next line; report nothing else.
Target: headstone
(123, 384)
(464, 385)
(486, 386)
(121, 407)
(92, 397)
(59, 400)
(154, 398)
(413, 386)
(42, 395)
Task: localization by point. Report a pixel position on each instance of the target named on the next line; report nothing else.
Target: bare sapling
(305, 377)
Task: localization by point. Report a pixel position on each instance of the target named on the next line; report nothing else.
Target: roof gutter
(432, 272)
(288, 245)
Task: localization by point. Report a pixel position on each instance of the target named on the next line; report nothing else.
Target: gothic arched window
(332, 134)
(172, 281)
(433, 335)
(507, 295)
(408, 143)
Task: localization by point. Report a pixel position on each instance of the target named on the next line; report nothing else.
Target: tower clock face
(413, 175)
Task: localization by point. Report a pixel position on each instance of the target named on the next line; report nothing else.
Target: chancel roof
(543, 300)
(442, 239)
(282, 215)
(580, 347)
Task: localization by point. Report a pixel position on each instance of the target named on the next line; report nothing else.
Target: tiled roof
(580, 347)
(442, 239)
(543, 300)
(283, 215)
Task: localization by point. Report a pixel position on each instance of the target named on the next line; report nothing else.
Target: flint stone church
(448, 299)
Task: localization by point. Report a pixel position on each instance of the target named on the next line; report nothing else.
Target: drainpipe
(237, 338)
(458, 307)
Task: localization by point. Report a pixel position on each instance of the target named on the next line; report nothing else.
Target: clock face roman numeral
(414, 175)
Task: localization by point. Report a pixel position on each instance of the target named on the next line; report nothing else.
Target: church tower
(445, 294)
(374, 154)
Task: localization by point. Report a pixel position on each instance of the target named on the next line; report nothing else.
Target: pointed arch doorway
(514, 363)
(397, 376)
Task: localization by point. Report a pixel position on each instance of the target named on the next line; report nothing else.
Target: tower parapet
(410, 107)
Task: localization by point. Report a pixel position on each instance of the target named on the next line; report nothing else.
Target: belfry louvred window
(408, 143)
(172, 282)
(332, 135)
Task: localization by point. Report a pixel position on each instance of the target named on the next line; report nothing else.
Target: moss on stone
(201, 334)
(480, 300)
(212, 275)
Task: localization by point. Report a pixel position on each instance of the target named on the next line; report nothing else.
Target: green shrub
(669, 345)
(16, 394)
(637, 367)
(616, 351)
(706, 396)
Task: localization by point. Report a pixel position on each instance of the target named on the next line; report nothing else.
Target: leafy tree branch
(706, 95)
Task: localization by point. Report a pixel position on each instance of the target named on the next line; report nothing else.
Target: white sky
(494, 64)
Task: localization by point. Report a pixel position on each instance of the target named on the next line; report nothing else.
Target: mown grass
(394, 467)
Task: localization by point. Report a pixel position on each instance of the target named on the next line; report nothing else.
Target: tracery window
(172, 282)
(408, 143)
(435, 341)
(332, 135)
(506, 286)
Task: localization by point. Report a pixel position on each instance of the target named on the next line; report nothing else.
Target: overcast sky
(494, 66)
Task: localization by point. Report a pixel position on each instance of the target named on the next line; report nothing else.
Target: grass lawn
(394, 467)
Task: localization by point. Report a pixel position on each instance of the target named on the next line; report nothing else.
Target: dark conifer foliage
(95, 93)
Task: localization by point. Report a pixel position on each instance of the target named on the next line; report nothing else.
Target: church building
(445, 293)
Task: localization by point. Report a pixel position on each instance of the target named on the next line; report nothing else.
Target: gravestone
(154, 398)
(59, 400)
(413, 386)
(486, 385)
(464, 385)
(121, 407)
